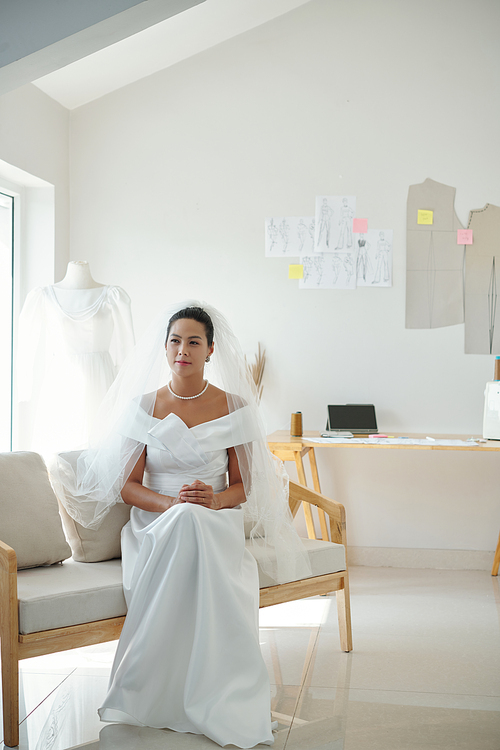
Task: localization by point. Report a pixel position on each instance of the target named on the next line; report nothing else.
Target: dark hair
(198, 314)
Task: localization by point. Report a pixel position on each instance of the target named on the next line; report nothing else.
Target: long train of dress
(189, 657)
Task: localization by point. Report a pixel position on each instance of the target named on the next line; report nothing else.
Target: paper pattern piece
(464, 236)
(482, 283)
(425, 217)
(360, 225)
(374, 261)
(434, 261)
(295, 271)
(289, 236)
(329, 271)
(333, 221)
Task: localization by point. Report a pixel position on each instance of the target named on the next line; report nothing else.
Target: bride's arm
(203, 494)
(134, 492)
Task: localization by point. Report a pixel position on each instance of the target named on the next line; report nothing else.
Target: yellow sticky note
(295, 271)
(425, 217)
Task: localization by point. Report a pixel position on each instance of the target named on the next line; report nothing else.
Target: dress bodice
(83, 321)
(177, 454)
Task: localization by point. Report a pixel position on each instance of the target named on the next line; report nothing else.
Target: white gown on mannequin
(73, 341)
(189, 657)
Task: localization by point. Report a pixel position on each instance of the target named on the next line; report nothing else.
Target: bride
(194, 467)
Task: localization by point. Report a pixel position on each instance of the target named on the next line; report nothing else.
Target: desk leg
(321, 513)
(496, 559)
(311, 533)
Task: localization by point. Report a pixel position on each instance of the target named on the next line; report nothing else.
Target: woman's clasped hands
(200, 494)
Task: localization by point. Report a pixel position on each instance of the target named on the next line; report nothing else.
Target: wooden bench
(22, 599)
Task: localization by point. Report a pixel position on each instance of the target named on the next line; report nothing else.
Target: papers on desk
(390, 441)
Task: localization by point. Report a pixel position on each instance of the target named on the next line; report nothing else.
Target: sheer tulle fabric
(75, 340)
(103, 469)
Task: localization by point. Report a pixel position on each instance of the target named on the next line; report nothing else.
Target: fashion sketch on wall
(333, 223)
(374, 257)
(289, 236)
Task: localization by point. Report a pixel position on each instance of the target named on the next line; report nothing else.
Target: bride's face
(187, 347)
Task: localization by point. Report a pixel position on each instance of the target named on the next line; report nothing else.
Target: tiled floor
(424, 673)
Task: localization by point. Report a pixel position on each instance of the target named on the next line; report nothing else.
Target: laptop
(346, 420)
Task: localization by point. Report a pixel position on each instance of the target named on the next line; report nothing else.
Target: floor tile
(338, 719)
(123, 737)
(424, 673)
(409, 664)
(287, 653)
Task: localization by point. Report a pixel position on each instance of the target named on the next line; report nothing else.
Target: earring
(208, 359)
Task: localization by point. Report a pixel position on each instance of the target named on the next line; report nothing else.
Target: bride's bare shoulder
(233, 401)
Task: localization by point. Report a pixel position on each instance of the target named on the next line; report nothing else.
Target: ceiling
(158, 47)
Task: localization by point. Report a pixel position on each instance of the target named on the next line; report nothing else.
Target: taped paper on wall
(333, 223)
(329, 271)
(289, 236)
(374, 263)
(434, 261)
(482, 283)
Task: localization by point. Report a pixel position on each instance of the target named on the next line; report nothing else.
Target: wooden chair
(16, 646)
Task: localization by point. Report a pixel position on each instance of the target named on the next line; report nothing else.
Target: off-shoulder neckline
(200, 424)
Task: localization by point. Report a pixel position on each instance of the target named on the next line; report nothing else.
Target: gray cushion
(69, 594)
(96, 545)
(325, 557)
(29, 516)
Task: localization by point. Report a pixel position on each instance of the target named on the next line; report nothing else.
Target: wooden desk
(290, 448)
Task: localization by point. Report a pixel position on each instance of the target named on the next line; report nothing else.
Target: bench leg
(10, 697)
(9, 631)
(344, 616)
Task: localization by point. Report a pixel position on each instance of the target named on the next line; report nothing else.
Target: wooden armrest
(333, 509)
(8, 559)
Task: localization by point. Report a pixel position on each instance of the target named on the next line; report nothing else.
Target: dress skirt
(189, 657)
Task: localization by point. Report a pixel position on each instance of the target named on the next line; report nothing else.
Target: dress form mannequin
(78, 276)
(73, 337)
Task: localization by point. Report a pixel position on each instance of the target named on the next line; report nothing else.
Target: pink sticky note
(360, 226)
(464, 237)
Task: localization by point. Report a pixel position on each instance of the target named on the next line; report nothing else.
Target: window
(6, 317)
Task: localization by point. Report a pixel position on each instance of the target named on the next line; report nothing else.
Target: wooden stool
(296, 455)
(496, 559)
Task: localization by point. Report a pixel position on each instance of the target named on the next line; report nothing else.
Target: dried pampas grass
(256, 369)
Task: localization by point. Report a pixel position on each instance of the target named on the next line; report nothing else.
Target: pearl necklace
(188, 398)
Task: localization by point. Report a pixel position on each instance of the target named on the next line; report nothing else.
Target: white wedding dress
(189, 657)
(71, 341)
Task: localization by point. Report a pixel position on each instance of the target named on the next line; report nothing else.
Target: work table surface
(282, 440)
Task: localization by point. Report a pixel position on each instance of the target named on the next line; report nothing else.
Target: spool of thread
(296, 426)
(497, 368)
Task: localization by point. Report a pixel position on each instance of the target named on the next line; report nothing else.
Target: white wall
(34, 164)
(171, 179)
(34, 143)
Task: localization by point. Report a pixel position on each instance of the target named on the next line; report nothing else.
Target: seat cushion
(70, 593)
(29, 516)
(73, 593)
(92, 545)
(325, 557)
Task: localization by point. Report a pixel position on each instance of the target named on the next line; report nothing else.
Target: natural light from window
(6, 269)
